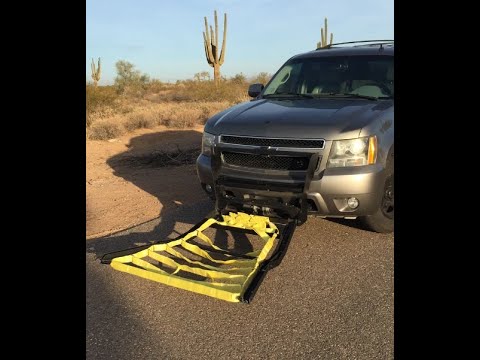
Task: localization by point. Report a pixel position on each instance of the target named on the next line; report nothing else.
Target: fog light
(208, 188)
(352, 203)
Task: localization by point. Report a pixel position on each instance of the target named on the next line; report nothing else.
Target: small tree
(262, 78)
(96, 72)
(129, 77)
(202, 76)
(239, 78)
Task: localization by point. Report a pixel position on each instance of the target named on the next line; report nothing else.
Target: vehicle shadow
(353, 223)
(171, 149)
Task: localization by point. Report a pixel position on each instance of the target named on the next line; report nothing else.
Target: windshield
(368, 76)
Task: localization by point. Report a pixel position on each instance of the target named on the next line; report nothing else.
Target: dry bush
(182, 105)
(125, 109)
(174, 115)
(90, 119)
(135, 91)
(185, 118)
(162, 114)
(262, 78)
(210, 109)
(230, 91)
(139, 121)
(181, 115)
(100, 102)
(131, 114)
(99, 97)
(155, 86)
(104, 130)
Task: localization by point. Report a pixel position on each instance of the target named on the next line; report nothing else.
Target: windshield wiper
(288, 95)
(354, 96)
(387, 97)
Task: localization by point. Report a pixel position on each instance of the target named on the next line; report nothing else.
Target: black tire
(383, 219)
(211, 195)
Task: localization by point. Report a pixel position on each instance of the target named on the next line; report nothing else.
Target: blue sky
(163, 38)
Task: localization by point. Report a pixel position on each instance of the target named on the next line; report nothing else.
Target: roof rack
(374, 42)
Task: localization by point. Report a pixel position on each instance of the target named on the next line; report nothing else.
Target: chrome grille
(258, 141)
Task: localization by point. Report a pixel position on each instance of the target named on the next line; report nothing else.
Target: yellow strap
(237, 271)
(171, 251)
(200, 252)
(212, 274)
(228, 292)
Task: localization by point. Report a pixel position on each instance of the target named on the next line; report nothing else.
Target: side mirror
(255, 89)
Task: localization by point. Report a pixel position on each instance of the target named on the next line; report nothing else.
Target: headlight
(354, 152)
(207, 143)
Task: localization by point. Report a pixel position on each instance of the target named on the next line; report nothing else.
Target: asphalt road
(331, 298)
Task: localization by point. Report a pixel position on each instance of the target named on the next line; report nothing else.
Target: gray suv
(318, 139)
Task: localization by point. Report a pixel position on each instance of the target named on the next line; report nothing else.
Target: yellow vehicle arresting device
(193, 262)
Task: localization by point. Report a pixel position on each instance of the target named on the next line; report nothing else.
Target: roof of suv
(385, 49)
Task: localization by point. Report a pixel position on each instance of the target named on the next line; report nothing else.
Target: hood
(330, 119)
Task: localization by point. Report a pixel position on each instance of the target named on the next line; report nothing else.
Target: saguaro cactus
(214, 58)
(323, 39)
(96, 72)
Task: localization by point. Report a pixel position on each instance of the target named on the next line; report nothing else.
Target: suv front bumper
(328, 191)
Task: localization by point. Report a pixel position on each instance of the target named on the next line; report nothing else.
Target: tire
(383, 219)
(210, 195)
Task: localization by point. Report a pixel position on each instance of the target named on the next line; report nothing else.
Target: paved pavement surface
(331, 298)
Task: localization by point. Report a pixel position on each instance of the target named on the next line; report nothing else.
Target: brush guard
(224, 275)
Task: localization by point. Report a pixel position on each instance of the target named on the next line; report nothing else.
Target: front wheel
(383, 219)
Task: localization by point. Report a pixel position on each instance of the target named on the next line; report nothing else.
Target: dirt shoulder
(135, 177)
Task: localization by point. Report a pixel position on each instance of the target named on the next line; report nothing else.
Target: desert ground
(128, 182)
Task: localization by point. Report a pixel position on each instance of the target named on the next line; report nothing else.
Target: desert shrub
(139, 121)
(99, 100)
(202, 76)
(262, 78)
(170, 114)
(205, 114)
(90, 119)
(239, 79)
(100, 96)
(183, 118)
(155, 86)
(180, 96)
(210, 109)
(163, 115)
(104, 130)
(207, 91)
(130, 81)
(125, 109)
